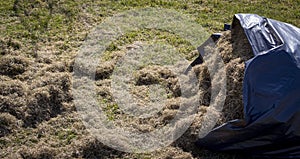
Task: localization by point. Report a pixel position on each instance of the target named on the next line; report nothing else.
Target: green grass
(110, 109)
(182, 45)
(38, 21)
(66, 135)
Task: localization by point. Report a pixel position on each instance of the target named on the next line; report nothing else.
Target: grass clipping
(36, 102)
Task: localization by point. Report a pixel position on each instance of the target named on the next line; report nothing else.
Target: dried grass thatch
(35, 96)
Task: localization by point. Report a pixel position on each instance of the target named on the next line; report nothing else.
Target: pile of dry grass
(32, 92)
(9, 46)
(12, 65)
(235, 51)
(36, 104)
(156, 74)
(47, 98)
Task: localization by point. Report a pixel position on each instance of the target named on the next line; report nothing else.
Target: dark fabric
(271, 94)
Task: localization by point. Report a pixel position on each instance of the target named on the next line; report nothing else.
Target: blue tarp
(271, 94)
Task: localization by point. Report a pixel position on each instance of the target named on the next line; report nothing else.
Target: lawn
(46, 36)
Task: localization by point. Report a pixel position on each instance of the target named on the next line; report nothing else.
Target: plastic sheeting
(271, 94)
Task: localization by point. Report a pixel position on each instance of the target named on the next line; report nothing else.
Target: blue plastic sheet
(271, 94)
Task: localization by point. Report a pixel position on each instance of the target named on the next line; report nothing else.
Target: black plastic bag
(271, 94)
